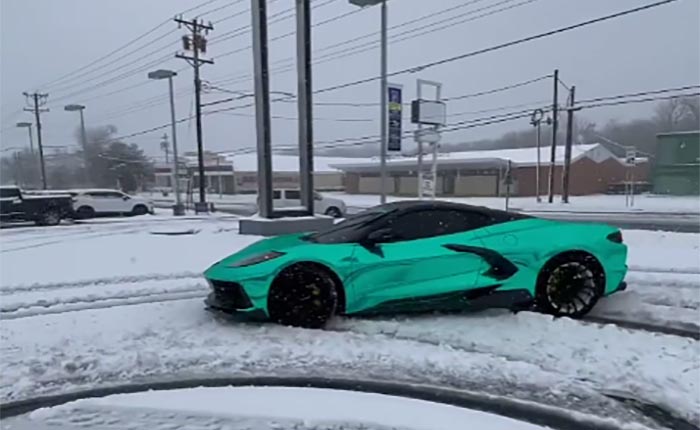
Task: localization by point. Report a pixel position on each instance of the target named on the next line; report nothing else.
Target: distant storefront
(677, 164)
(594, 169)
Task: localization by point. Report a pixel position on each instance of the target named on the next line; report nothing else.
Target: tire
(303, 295)
(570, 285)
(139, 210)
(49, 218)
(334, 212)
(85, 212)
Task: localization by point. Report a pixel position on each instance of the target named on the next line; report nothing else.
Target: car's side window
(276, 194)
(114, 195)
(9, 193)
(430, 223)
(292, 195)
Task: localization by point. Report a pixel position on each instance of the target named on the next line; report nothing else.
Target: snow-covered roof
(286, 163)
(518, 156)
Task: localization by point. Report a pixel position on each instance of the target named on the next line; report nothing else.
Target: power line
(72, 74)
(498, 90)
(643, 100)
(499, 46)
(344, 53)
(292, 33)
(639, 94)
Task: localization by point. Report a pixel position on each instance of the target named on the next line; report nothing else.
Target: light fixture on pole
(384, 90)
(178, 209)
(28, 126)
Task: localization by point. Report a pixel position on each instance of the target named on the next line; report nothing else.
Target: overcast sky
(43, 40)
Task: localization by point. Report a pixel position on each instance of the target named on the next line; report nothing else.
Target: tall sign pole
(555, 123)
(430, 113)
(262, 106)
(536, 121)
(305, 105)
(384, 107)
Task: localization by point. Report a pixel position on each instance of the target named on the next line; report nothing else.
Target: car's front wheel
(49, 218)
(570, 285)
(303, 295)
(139, 210)
(334, 212)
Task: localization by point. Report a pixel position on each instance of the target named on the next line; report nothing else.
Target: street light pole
(384, 90)
(384, 107)
(83, 134)
(178, 209)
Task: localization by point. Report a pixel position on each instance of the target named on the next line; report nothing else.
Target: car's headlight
(256, 259)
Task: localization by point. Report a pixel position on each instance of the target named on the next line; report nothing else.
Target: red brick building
(482, 173)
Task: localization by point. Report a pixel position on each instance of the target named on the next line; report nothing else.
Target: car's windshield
(350, 229)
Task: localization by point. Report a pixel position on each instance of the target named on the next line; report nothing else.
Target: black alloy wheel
(303, 296)
(570, 285)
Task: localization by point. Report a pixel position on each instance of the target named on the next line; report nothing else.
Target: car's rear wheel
(49, 218)
(303, 295)
(140, 210)
(85, 212)
(570, 285)
(334, 212)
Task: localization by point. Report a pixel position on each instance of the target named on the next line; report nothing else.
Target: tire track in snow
(21, 302)
(686, 271)
(103, 303)
(14, 289)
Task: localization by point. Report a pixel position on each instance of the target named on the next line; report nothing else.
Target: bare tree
(679, 114)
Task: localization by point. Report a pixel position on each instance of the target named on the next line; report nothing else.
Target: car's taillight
(615, 237)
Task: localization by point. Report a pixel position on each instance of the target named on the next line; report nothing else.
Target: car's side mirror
(318, 197)
(125, 198)
(381, 235)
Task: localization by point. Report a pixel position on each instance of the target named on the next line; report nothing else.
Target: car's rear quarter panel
(531, 243)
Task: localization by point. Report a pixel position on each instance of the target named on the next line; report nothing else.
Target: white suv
(322, 205)
(90, 203)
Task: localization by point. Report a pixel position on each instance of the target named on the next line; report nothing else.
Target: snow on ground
(250, 408)
(105, 303)
(110, 251)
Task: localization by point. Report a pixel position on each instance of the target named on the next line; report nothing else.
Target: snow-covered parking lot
(114, 301)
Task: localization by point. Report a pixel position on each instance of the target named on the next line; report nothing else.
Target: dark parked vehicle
(42, 209)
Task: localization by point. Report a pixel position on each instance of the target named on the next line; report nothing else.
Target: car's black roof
(411, 205)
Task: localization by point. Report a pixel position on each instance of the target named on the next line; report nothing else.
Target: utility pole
(37, 100)
(197, 44)
(567, 150)
(555, 123)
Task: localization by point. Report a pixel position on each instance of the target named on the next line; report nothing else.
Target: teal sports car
(422, 256)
